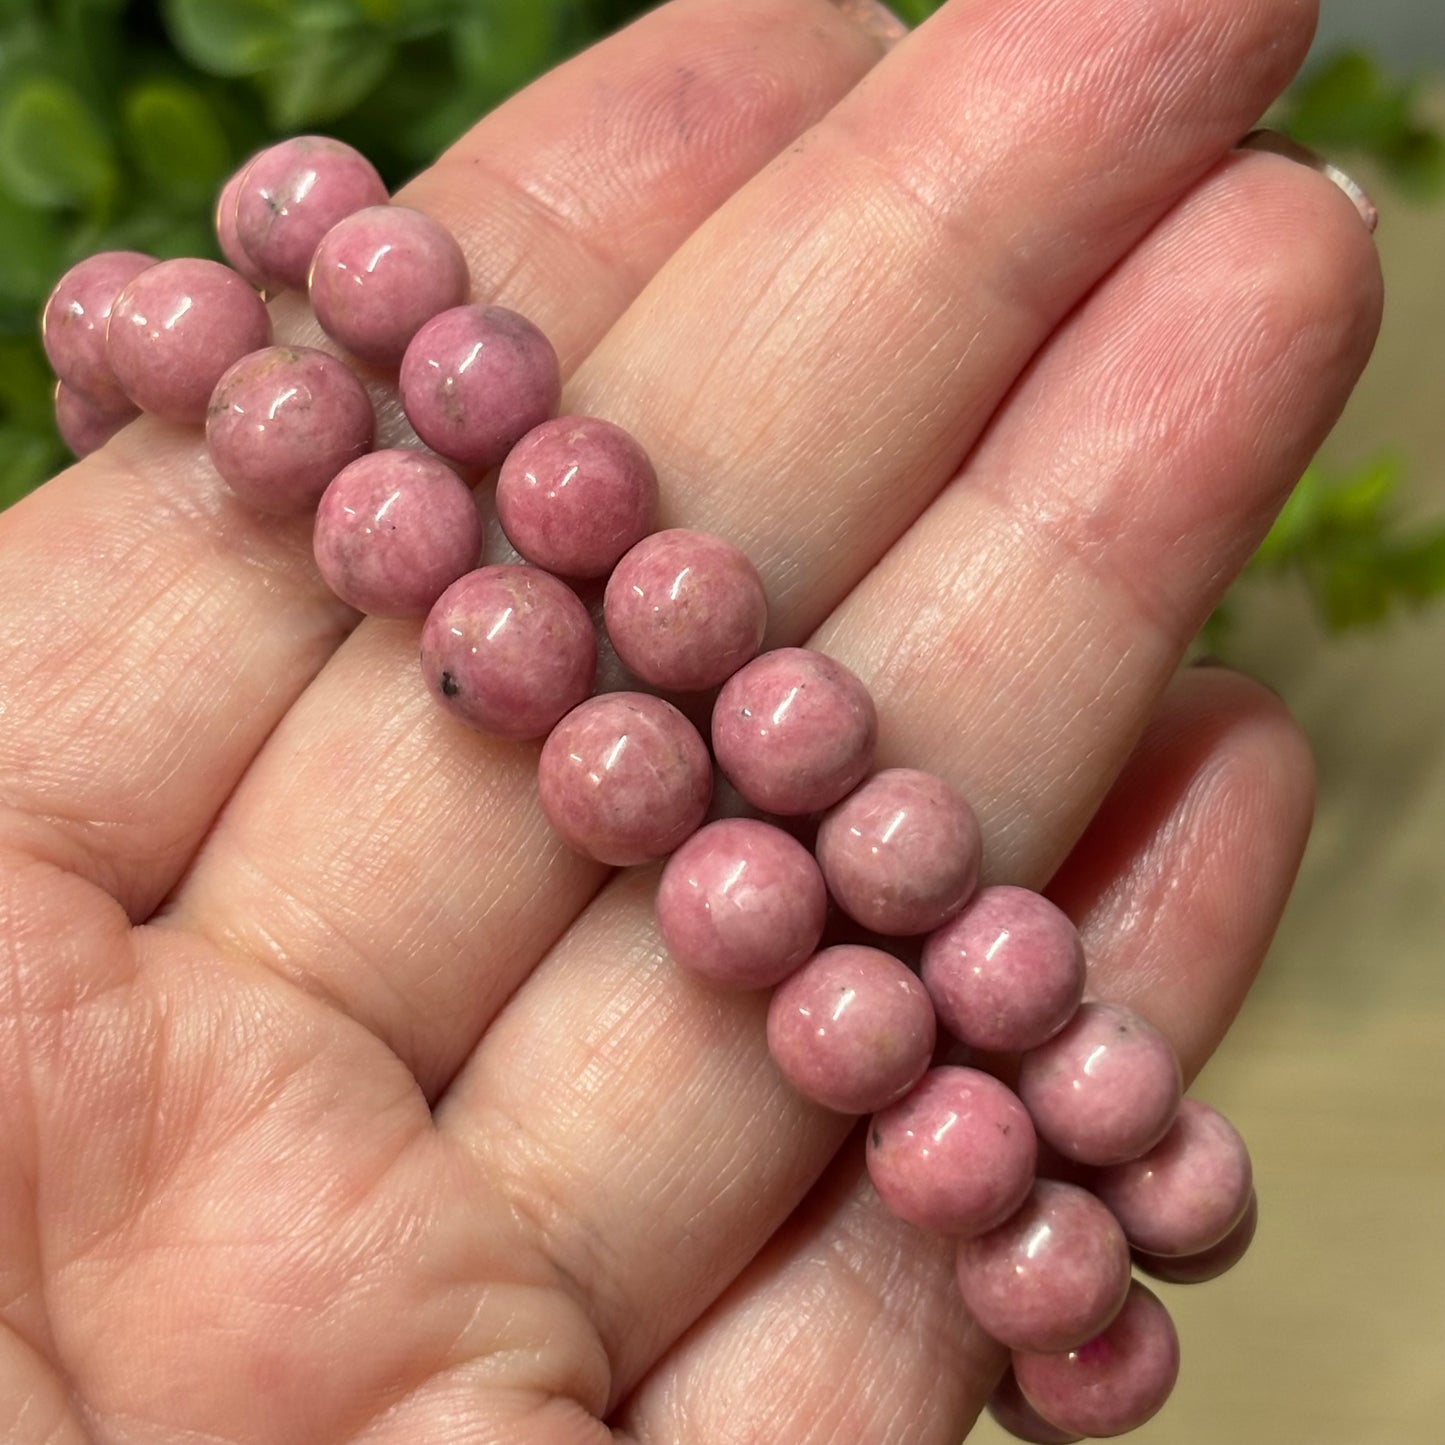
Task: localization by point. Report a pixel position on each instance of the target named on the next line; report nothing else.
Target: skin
(363, 1111)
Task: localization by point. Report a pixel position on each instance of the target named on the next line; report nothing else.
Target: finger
(774, 346)
(867, 1338)
(1015, 641)
(156, 630)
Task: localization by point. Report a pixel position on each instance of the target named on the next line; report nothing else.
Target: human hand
(339, 1101)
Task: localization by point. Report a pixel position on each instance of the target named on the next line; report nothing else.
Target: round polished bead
(1209, 1263)
(685, 610)
(1103, 1090)
(509, 651)
(955, 1155)
(291, 195)
(624, 778)
(852, 1029)
(475, 380)
(74, 322)
(175, 330)
(574, 494)
(394, 530)
(282, 422)
(1007, 973)
(83, 426)
(1011, 1412)
(1188, 1191)
(1050, 1277)
(741, 904)
(1116, 1381)
(225, 223)
(380, 274)
(794, 731)
(901, 854)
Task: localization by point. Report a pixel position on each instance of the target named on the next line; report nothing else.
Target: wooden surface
(1332, 1331)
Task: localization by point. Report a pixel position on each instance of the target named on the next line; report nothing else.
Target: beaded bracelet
(1134, 1175)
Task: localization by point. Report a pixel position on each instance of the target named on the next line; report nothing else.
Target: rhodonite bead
(225, 224)
(955, 1155)
(475, 380)
(509, 650)
(1116, 1381)
(394, 530)
(685, 610)
(83, 426)
(574, 494)
(174, 331)
(901, 854)
(1188, 1191)
(852, 1029)
(1011, 1412)
(624, 778)
(291, 195)
(1006, 973)
(1209, 1263)
(741, 904)
(73, 326)
(1052, 1276)
(1105, 1088)
(794, 731)
(283, 421)
(380, 274)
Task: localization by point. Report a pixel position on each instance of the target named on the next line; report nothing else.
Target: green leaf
(27, 458)
(32, 245)
(1416, 163)
(231, 37)
(53, 153)
(1348, 102)
(323, 78)
(175, 141)
(915, 12)
(26, 384)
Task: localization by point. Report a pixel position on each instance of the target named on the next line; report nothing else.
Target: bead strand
(1156, 1182)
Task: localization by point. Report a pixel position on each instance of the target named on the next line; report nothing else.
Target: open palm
(338, 1101)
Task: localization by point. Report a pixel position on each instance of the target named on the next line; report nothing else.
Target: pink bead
(225, 222)
(574, 494)
(685, 610)
(1007, 973)
(901, 854)
(74, 322)
(1103, 1090)
(794, 731)
(1052, 1276)
(956, 1155)
(852, 1029)
(624, 778)
(1114, 1383)
(394, 530)
(291, 195)
(1209, 1263)
(282, 422)
(83, 426)
(1188, 1191)
(475, 380)
(1011, 1412)
(175, 330)
(380, 274)
(509, 651)
(741, 904)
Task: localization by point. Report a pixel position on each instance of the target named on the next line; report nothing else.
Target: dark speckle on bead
(449, 685)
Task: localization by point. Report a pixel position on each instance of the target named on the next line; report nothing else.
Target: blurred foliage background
(119, 120)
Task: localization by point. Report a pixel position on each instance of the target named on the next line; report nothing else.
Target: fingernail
(1209, 659)
(1281, 145)
(875, 18)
